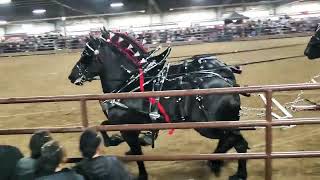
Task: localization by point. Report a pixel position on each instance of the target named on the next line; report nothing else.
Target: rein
(143, 67)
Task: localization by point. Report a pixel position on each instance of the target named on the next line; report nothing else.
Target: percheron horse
(313, 48)
(123, 65)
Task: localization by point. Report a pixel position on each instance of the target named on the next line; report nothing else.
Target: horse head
(313, 48)
(113, 57)
(87, 66)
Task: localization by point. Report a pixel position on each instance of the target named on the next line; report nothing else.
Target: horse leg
(216, 165)
(241, 146)
(114, 140)
(236, 140)
(132, 138)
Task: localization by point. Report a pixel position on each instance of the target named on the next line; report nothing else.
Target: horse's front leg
(132, 138)
(114, 140)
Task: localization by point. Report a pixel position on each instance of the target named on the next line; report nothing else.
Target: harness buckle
(154, 116)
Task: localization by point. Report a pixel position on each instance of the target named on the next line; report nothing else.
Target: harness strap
(153, 101)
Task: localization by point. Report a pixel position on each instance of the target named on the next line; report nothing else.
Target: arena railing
(268, 123)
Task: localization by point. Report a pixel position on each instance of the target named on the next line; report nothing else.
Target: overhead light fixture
(3, 22)
(39, 11)
(63, 18)
(5, 1)
(171, 9)
(116, 4)
(142, 11)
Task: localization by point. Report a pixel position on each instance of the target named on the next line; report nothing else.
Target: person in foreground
(94, 166)
(9, 156)
(26, 167)
(52, 156)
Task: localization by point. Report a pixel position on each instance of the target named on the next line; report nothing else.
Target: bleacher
(227, 32)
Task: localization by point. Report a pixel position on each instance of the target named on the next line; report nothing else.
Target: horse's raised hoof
(216, 166)
(115, 140)
(237, 177)
(141, 177)
(128, 153)
(146, 140)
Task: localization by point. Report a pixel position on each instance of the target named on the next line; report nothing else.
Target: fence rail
(268, 155)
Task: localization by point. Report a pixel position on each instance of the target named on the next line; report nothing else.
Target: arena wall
(32, 28)
(141, 20)
(2, 31)
(299, 7)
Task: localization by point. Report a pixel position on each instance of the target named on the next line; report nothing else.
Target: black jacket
(9, 156)
(25, 169)
(103, 168)
(65, 174)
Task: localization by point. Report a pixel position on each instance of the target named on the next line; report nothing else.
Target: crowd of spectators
(46, 161)
(226, 32)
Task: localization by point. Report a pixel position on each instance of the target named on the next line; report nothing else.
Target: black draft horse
(124, 66)
(313, 48)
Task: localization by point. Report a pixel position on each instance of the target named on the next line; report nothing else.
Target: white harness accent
(96, 52)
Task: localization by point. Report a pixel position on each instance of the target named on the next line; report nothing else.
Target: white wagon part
(282, 109)
(309, 107)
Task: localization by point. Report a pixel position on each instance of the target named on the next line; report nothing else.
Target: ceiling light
(3, 22)
(39, 11)
(63, 18)
(142, 11)
(5, 1)
(171, 9)
(115, 5)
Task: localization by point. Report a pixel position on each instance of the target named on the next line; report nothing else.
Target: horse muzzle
(80, 81)
(236, 69)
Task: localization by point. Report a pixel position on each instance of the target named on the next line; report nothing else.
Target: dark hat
(38, 139)
(89, 142)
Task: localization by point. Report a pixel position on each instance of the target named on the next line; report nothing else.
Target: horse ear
(104, 28)
(87, 39)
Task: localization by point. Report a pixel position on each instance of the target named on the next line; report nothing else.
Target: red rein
(130, 54)
(153, 101)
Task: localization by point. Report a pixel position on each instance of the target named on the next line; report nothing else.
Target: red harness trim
(129, 53)
(134, 42)
(153, 101)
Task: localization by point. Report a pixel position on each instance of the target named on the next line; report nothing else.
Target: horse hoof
(115, 140)
(142, 177)
(215, 167)
(106, 144)
(237, 177)
(145, 141)
(128, 153)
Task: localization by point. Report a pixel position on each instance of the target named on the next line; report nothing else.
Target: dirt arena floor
(47, 75)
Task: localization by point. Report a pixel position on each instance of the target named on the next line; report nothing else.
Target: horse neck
(112, 76)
